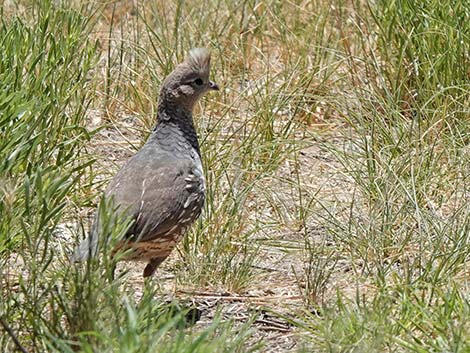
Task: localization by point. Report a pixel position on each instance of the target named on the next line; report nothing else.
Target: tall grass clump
(423, 50)
(45, 90)
(405, 231)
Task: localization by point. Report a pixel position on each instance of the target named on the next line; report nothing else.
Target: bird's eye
(198, 82)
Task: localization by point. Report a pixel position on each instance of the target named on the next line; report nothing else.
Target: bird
(161, 188)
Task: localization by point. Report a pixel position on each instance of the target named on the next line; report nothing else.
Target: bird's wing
(156, 191)
(153, 191)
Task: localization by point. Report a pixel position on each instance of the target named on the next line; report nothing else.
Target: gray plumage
(162, 188)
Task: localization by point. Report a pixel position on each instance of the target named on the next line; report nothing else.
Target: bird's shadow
(184, 313)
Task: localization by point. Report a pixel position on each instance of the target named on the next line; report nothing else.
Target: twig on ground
(229, 297)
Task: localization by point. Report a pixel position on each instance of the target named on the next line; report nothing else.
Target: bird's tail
(87, 248)
(105, 219)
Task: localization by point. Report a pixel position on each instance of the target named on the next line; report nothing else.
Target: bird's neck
(175, 126)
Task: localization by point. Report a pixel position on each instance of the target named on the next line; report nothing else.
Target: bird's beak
(213, 86)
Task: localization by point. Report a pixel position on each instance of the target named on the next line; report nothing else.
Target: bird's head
(189, 80)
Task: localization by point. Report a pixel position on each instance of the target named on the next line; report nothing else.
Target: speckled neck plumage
(174, 128)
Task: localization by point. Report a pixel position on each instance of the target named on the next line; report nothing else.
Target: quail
(162, 187)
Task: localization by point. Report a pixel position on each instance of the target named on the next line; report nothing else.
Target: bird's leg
(112, 271)
(152, 266)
